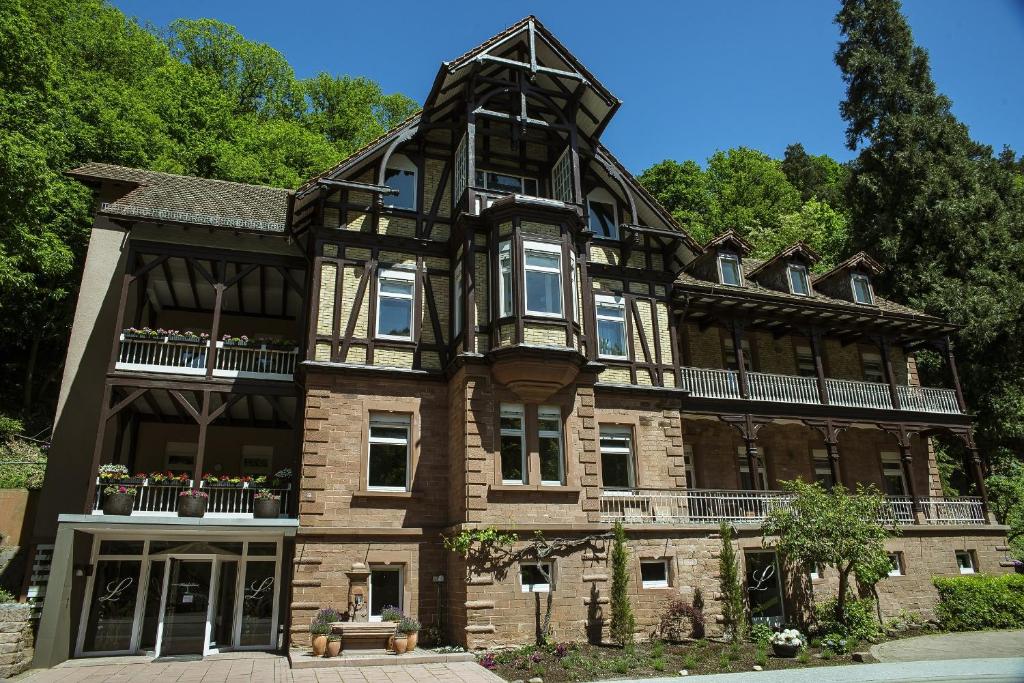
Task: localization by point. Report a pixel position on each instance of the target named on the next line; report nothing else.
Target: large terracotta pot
(266, 508)
(191, 507)
(319, 645)
(401, 644)
(413, 639)
(333, 648)
(118, 504)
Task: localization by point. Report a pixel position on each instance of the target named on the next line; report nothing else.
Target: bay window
(395, 292)
(505, 278)
(457, 297)
(543, 272)
(611, 326)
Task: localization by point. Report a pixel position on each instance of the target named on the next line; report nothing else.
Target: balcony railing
(710, 506)
(224, 501)
(764, 386)
(162, 355)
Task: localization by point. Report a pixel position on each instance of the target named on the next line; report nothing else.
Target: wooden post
(832, 448)
(218, 302)
(890, 376)
(741, 362)
(951, 361)
(753, 460)
(819, 368)
(97, 450)
(907, 463)
(204, 421)
(977, 472)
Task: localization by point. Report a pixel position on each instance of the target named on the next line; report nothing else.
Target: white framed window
(506, 182)
(401, 175)
(257, 459)
(602, 214)
(746, 483)
(872, 365)
(388, 458)
(542, 264)
(654, 573)
(822, 469)
(180, 456)
(549, 437)
(536, 577)
(395, 292)
(386, 587)
(688, 467)
(617, 469)
(816, 572)
(805, 366)
(611, 326)
(860, 285)
(513, 444)
(893, 481)
(457, 296)
(505, 278)
(799, 282)
(965, 561)
(896, 564)
(729, 272)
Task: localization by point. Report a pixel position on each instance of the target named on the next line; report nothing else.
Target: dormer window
(861, 287)
(729, 272)
(799, 283)
(400, 175)
(603, 218)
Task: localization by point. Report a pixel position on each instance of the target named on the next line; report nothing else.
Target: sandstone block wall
(16, 640)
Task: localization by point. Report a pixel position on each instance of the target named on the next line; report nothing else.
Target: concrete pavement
(973, 645)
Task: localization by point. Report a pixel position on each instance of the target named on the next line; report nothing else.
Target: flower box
(187, 339)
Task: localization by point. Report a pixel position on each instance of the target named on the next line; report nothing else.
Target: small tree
(623, 623)
(733, 611)
(832, 528)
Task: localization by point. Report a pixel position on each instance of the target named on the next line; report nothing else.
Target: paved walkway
(973, 645)
(1003, 670)
(239, 667)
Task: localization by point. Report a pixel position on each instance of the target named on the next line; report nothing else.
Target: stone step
(301, 659)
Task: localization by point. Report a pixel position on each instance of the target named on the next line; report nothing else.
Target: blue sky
(693, 77)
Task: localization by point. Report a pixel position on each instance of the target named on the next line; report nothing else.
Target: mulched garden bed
(586, 662)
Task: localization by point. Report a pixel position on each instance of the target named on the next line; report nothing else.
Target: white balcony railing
(710, 506)
(161, 355)
(224, 501)
(711, 383)
(782, 388)
(845, 392)
(928, 399)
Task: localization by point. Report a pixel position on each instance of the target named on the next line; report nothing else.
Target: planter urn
(319, 643)
(413, 639)
(401, 644)
(333, 648)
(785, 651)
(191, 507)
(266, 508)
(118, 504)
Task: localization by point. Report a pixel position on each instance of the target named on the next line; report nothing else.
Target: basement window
(965, 561)
(654, 573)
(395, 292)
(896, 564)
(536, 577)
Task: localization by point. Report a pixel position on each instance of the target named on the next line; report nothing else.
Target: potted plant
(333, 645)
(318, 637)
(393, 615)
(787, 643)
(192, 503)
(168, 478)
(281, 478)
(411, 629)
(230, 340)
(266, 505)
(188, 337)
(144, 333)
(112, 473)
(401, 643)
(118, 499)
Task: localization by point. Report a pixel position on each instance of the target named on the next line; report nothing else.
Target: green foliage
(80, 82)
(733, 611)
(939, 210)
(816, 224)
(860, 623)
(815, 176)
(6, 596)
(749, 192)
(1006, 500)
(832, 528)
(968, 603)
(761, 634)
(486, 538)
(22, 464)
(623, 623)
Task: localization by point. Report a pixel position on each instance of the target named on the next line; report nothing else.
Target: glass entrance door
(186, 611)
(764, 590)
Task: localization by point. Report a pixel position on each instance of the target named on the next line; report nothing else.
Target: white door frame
(214, 561)
(369, 587)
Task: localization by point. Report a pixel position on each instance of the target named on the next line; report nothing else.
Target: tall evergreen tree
(623, 622)
(936, 208)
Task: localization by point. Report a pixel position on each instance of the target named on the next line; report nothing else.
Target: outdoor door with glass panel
(187, 606)
(764, 590)
(385, 590)
(892, 475)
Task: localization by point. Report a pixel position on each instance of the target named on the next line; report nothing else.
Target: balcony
(725, 384)
(712, 506)
(179, 355)
(161, 499)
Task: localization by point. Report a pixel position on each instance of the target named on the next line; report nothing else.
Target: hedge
(970, 603)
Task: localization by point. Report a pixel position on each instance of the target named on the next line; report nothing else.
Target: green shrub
(761, 634)
(623, 623)
(969, 603)
(861, 622)
(6, 596)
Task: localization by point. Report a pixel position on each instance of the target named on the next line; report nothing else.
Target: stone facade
(16, 640)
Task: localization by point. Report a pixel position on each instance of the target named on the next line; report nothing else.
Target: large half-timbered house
(494, 325)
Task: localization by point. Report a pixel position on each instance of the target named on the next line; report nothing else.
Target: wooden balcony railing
(161, 355)
(764, 386)
(711, 506)
(224, 501)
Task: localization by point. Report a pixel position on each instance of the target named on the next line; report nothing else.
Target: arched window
(401, 175)
(603, 214)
